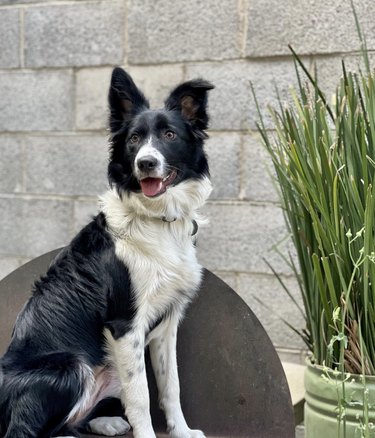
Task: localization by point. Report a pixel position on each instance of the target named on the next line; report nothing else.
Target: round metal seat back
(232, 382)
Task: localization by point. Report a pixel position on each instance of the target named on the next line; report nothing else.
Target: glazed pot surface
(324, 391)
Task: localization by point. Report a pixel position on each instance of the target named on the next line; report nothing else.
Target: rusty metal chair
(232, 382)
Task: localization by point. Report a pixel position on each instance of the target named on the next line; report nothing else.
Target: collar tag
(165, 219)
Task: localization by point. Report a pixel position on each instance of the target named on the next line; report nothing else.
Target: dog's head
(155, 151)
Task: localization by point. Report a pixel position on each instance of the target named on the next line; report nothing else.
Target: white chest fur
(160, 256)
(162, 264)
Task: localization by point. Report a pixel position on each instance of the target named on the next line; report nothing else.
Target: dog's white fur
(148, 149)
(109, 426)
(165, 274)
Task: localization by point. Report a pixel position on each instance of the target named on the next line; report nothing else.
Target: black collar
(164, 219)
(195, 227)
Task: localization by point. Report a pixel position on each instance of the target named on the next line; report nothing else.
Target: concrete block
(258, 183)
(157, 81)
(11, 164)
(240, 235)
(329, 71)
(223, 152)
(16, 2)
(230, 278)
(309, 26)
(74, 34)
(36, 101)
(92, 87)
(33, 226)
(9, 38)
(277, 305)
(231, 103)
(68, 165)
(183, 31)
(84, 210)
(292, 355)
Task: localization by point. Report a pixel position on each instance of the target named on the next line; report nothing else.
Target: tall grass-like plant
(324, 157)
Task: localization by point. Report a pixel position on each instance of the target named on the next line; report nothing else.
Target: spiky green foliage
(324, 159)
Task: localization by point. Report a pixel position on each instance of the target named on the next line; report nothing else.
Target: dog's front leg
(164, 363)
(128, 356)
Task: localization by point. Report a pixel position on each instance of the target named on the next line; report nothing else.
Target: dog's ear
(125, 99)
(191, 99)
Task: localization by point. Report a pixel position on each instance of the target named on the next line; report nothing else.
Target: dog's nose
(147, 163)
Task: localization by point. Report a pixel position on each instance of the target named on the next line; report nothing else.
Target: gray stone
(92, 87)
(292, 355)
(84, 210)
(223, 152)
(231, 103)
(258, 173)
(171, 31)
(273, 306)
(9, 38)
(74, 34)
(36, 101)
(16, 2)
(33, 226)
(240, 235)
(157, 81)
(68, 165)
(229, 278)
(11, 164)
(309, 26)
(329, 71)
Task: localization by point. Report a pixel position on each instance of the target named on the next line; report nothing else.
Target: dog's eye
(170, 135)
(134, 139)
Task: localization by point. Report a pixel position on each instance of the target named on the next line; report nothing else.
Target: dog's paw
(186, 433)
(109, 426)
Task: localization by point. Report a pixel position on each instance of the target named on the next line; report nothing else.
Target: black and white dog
(122, 284)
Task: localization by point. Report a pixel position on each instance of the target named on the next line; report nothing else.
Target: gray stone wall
(55, 62)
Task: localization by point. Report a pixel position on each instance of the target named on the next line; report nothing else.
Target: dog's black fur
(131, 114)
(87, 287)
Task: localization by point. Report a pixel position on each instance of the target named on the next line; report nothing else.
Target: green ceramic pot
(324, 389)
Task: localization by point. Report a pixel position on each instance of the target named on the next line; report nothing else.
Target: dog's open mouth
(156, 186)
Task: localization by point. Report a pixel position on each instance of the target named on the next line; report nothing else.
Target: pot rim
(317, 368)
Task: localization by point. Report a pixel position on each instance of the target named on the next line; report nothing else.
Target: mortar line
(242, 158)
(257, 274)
(242, 10)
(94, 198)
(126, 34)
(22, 37)
(279, 57)
(104, 132)
(184, 72)
(50, 3)
(189, 63)
(74, 97)
(29, 196)
(73, 214)
(24, 164)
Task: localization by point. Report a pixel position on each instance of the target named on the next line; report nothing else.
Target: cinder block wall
(55, 62)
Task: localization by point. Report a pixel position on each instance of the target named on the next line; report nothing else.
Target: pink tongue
(151, 186)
